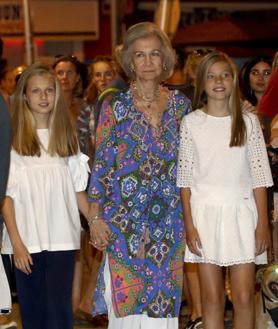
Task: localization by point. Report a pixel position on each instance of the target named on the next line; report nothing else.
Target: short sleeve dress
(221, 179)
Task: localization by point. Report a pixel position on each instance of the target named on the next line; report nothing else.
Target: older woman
(135, 212)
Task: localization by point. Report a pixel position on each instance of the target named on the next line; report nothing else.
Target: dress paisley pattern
(134, 181)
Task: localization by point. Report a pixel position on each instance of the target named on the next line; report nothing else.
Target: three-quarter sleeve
(103, 171)
(79, 170)
(186, 157)
(257, 156)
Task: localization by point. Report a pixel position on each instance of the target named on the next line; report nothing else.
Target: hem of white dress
(33, 250)
(265, 184)
(230, 263)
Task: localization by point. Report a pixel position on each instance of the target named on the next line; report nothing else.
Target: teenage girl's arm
(262, 230)
(246, 106)
(192, 237)
(82, 203)
(22, 257)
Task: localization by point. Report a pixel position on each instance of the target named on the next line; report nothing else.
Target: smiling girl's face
(219, 81)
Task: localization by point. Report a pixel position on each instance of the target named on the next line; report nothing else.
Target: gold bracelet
(93, 219)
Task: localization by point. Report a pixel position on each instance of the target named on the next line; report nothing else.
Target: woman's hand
(246, 106)
(100, 233)
(262, 235)
(22, 258)
(193, 240)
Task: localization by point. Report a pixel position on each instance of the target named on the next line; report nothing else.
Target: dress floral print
(134, 181)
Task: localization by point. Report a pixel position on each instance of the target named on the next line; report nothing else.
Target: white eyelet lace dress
(221, 180)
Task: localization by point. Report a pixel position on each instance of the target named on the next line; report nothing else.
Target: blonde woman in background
(101, 75)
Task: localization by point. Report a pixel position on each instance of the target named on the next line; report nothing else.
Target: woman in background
(102, 74)
(73, 81)
(254, 77)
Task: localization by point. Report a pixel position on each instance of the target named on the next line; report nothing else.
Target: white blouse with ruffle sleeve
(43, 190)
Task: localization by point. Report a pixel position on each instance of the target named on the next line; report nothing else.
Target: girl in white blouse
(223, 173)
(48, 176)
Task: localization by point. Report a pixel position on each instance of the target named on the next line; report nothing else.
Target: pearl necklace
(156, 130)
(147, 100)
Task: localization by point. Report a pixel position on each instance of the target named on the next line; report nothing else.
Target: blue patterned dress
(134, 181)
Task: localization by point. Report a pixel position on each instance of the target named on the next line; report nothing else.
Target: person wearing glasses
(102, 74)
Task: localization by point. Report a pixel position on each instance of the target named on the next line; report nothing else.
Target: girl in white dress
(48, 176)
(223, 172)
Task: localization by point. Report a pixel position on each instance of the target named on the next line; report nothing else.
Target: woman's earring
(131, 68)
(164, 67)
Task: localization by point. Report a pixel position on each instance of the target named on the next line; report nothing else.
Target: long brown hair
(238, 128)
(62, 140)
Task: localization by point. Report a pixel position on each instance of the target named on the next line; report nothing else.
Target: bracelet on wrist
(94, 219)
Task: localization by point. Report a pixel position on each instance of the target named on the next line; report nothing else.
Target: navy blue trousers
(45, 294)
